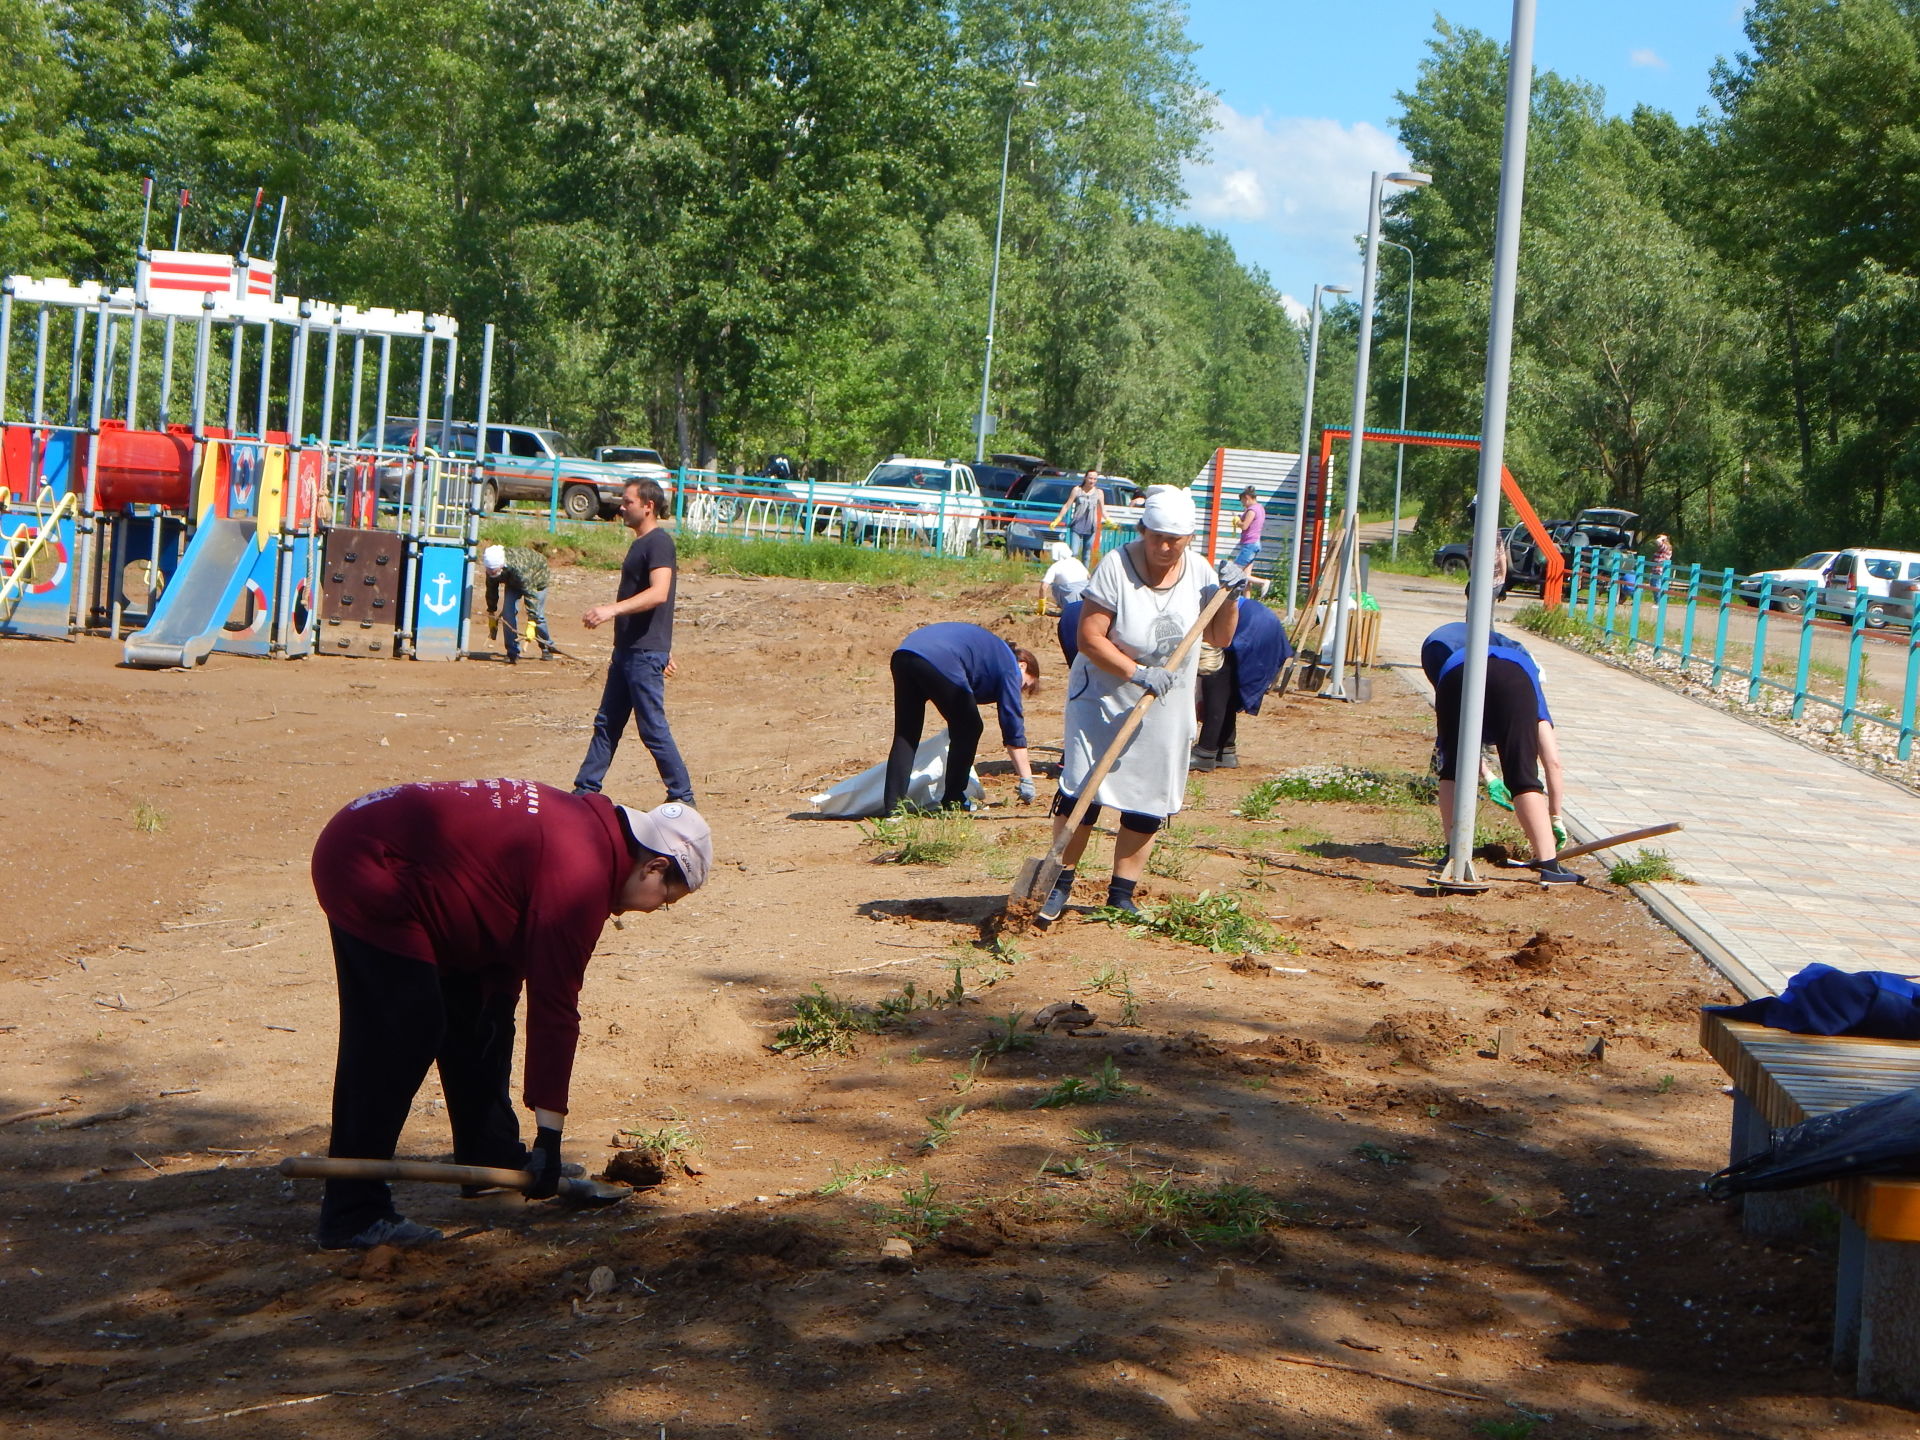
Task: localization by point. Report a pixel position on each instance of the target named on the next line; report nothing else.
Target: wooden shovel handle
(328, 1167)
(1575, 852)
(1132, 723)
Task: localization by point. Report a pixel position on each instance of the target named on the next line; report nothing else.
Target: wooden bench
(1781, 1079)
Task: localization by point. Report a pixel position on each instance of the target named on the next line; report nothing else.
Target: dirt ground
(1459, 1241)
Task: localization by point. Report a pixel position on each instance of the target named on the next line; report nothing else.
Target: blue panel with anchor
(440, 601)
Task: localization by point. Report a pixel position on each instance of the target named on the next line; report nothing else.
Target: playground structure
(125, 513)
(1319, 493)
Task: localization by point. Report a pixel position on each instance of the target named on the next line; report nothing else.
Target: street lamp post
(1306, 439)
(1406, 372)
(1493, 440)
(1024, 86)
(1344, 600)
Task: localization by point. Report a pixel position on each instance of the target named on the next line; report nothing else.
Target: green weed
(965, 1080)
(1103, 1084)
(940, 1128)
(1646, 865)
(1215, 922)
(672, 1139)
(824, 1022)
(1072, 1167)
(1337, 784)
(1518, 1428)
(1225, 1215)
(1111, 980)
(851, 1179)
(1172, 854)
(921, 1211)
(1379, 1155)
(1559, 623)
(1004, 1035)
(1665, 1087)
(148, 818)
(1096, 1140)
(921, 837)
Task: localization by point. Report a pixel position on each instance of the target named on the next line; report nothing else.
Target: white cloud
(1298, 313)
(1647, 60)
(1290, 190)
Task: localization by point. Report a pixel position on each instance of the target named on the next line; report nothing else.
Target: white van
(1887, 577)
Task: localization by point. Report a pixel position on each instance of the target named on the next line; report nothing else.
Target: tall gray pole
(1306, 439)
(1350, 511)
(993, 296)
(1493, 444)
(1406, 373)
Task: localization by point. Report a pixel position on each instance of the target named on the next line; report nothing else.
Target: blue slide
(205, 588)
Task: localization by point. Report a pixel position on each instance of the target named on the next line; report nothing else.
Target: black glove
(1156, 680)
(543, 1163)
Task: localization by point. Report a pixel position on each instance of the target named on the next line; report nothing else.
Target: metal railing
(1630, 603)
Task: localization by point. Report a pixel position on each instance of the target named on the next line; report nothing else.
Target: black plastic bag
(1876, 1137)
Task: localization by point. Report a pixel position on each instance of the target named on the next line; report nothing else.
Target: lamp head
(1413, 178)
(1336, 289)
(1026, 85)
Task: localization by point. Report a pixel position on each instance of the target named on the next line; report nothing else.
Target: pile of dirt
(1422, 1038)
(1274, 1055)
(1541, 955)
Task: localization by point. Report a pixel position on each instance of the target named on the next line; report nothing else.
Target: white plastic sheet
(859, 796)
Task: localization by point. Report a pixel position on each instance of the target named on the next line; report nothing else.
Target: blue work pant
(510, 618)
(636, 687)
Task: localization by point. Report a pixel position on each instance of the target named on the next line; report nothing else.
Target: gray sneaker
(391, 1230)
(1056, 902)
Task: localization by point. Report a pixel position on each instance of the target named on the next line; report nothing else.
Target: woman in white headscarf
(1141, 602)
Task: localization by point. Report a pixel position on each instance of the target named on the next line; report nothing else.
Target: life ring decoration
(14, 543)
(255, 600)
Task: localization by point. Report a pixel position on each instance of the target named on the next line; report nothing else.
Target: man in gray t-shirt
(642, 616)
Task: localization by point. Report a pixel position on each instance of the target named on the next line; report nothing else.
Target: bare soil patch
(1310, 1152)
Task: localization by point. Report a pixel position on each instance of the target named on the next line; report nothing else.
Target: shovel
(575, 1190)
(1037, 873)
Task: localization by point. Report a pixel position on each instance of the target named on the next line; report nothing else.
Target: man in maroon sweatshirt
(445, 899)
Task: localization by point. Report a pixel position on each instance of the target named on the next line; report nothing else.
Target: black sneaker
(394, 1230)
(513, 659)
(1229, 758)
(1056, 902)
(1552, 872)
(1203, 760)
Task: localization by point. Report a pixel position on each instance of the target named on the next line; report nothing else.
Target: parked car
(1039, 498)
(1000, 473)
(640, 461)
(1886, 577)
(936, 502)
(1791, 585)
(1598, 527)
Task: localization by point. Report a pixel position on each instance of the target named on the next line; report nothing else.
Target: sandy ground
(1467, 1244)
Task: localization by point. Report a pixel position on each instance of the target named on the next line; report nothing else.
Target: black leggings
(1220, 707)
(398, 1016)
(915, 683)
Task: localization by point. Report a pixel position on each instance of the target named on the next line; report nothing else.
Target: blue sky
(1306, 101)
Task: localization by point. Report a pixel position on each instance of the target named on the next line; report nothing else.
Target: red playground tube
(144, 467)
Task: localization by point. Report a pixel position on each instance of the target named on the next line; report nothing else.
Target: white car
(933, 502)
(1791, 585)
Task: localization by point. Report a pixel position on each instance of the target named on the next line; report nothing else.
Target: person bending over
(445, 900)
(958, 667)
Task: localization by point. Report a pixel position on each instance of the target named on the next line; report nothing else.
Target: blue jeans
(1082, 545)
(510, 620)
(636, 687)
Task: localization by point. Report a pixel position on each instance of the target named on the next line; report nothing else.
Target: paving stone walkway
(1795, 857)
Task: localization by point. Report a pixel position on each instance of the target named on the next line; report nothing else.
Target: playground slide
(187, 621)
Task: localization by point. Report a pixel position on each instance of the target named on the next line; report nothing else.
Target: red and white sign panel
(176, 279)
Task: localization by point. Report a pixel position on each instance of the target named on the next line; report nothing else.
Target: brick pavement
(1795, 857)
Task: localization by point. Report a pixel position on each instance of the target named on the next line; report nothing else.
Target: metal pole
(40, 328)
(266, 376)
(202, 353)
(73, 365)
(326, 385)
(1306, 439)
(6, 340)
(359, 367)
(166, 375)
(133, 360)
(233, 379)
(993, 295)
(1493, 442)
(1351, 510)
(1406, 373)
(380, 394)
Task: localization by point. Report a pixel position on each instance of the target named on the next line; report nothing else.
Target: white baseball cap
(1058, 550)
(494, 557)
(1169, 510)
(676, 831)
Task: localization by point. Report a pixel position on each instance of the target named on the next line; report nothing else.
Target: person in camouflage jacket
(525, 576)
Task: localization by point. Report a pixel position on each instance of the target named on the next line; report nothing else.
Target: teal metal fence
(1696, 621)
